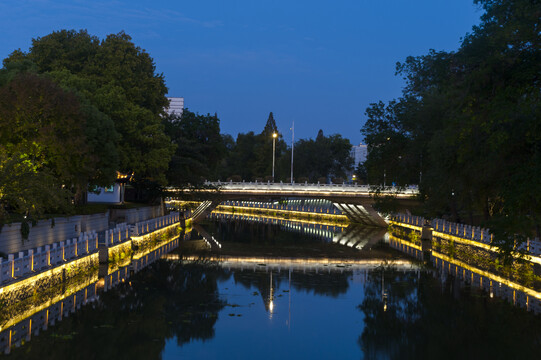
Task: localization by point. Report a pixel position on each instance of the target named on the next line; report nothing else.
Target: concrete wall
(41, 234)
(132, 216)
(96, 222)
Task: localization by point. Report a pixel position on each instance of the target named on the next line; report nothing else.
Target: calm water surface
(176, 309)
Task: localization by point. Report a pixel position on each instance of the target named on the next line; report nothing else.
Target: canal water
(379, 300)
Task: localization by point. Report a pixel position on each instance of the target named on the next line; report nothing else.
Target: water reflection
(245, 307)
(413, 315)
(257, 226)
(45, 307)
(462, 274)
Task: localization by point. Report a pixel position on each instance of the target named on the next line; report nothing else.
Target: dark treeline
(203, 153)
(77, 111)
(468, 124)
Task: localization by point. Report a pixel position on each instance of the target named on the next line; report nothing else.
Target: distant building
(359, 154)
(176, 106)
(113, 194)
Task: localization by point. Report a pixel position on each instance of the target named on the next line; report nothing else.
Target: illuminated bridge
(355, 201)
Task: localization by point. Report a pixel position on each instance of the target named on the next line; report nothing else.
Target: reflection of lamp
(271, 297)
(383, 292)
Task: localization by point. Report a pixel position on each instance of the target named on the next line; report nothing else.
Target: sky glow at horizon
(317, 63)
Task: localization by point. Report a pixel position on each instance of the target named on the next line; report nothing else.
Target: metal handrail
(412, 190)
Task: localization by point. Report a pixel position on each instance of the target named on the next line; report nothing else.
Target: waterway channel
(279, 289)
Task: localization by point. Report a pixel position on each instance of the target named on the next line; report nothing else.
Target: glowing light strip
(294, 192)
(342, 218)
(413, 227)
(48, 273)
(140, 255)
(279, 189)
(287, 261)
(141, 237)
(532, 258)
(489, 275)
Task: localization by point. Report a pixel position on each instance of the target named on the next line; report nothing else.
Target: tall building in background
(176, 106)
(359, 154)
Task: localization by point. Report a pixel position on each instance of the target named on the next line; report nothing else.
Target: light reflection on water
(245, 310)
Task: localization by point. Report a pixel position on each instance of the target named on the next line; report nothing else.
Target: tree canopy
(74, 110)
(468, 123)
(118, 79)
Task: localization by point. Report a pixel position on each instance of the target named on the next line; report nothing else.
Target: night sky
(319, 63)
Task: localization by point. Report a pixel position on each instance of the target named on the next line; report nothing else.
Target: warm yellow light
(274, 135)
(228, 210)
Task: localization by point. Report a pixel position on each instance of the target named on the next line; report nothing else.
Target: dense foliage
(204, 154)
(250, 157)
(74, 110)
(468, 124)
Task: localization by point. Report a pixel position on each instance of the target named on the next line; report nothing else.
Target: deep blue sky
(318, 62)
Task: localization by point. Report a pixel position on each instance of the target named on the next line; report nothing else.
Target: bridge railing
(368, 189)
(409, 219)
(325, 208)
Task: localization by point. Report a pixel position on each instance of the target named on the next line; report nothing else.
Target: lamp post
(274, 136)
(292, 148)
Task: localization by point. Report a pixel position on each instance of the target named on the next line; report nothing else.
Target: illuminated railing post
(31, 256)
(11, 261)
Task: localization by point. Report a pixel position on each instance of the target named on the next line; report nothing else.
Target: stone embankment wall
(463, 231)
(44, 315)
(47, 232)
(46, 257)
(33, 261)
(491, 283)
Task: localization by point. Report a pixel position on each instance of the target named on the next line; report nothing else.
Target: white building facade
(176, 106)
(359, 154)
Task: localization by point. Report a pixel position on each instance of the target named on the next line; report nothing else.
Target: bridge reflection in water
(268, 275)
(352, 235)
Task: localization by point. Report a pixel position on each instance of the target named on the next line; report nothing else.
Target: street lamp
(274, 136)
